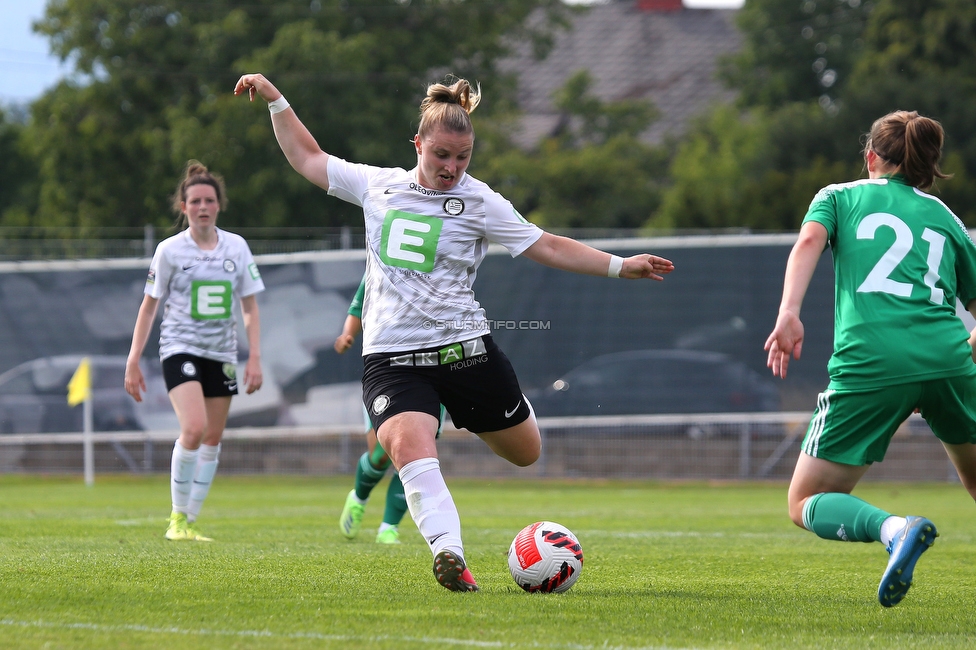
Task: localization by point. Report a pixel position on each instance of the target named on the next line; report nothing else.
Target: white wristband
(616, 263)
(278, 105)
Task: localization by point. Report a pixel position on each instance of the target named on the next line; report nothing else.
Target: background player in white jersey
(902, 260)
(198, 274)
(426, 341)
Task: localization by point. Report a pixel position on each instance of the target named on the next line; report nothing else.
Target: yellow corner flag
(79, 388)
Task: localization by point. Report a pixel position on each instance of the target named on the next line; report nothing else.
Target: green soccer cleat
(193, 535)
(388, 536)
(181, 530)
(176, 531)
(352, 516)
(913, 540)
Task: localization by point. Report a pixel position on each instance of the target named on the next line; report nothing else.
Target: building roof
(633, 49)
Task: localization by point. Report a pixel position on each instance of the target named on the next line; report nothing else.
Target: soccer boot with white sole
(450, 571)
(194, 535)
(352, 516)
(176, 531)
(907, 546)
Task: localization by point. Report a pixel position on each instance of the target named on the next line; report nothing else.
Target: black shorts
(474, 380)
(217, 378)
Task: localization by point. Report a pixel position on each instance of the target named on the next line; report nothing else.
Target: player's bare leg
(820, 500)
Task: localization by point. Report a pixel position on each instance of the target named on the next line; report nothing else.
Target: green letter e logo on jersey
(210, 300)
(409, 241)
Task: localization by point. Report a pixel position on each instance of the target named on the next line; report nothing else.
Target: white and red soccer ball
(545, 557)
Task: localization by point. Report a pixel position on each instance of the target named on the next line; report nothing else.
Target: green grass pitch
(666, 566)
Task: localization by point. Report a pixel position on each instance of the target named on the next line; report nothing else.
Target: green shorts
(855, 427)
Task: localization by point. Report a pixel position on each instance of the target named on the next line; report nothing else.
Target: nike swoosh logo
(187, 268)
(509, 414)
(388, 191)
(436, 537)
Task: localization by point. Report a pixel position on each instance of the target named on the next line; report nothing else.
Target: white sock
(182, 468)
(385, 526)
(890, 527)
(202, 479)
(432, 506)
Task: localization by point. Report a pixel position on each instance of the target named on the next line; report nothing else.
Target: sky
(27, 68)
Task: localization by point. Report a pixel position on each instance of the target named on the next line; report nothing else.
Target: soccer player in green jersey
(902, 260)
(375, 461)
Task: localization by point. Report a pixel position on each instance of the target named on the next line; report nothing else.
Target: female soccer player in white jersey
(426, 339)
(198, 274)
(901, 260)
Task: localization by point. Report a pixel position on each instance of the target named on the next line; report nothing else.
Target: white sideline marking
(686, 533)
(316, 636)
(586, 533)
(242, 633)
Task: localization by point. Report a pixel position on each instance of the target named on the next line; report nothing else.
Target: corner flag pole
(79, 392)
(87, 444)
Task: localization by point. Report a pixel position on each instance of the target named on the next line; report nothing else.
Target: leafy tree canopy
(736, 171)
(154, 85)
(813, 76)
(16, 169)
(593, 172)
(796, 50)
(153, 89)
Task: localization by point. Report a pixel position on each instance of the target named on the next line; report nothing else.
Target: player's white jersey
(423, 251)
(199, 289)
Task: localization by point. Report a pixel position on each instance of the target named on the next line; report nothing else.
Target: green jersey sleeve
(965, 264)
(823, 210)
(356, 306)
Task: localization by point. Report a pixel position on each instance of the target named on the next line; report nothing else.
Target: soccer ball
(545, 556)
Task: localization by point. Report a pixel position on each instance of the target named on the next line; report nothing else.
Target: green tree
(917, 39)
(153, 89)
(922, 56)
(735, 171)
(594, 172)
(17, 171)
(796, 50)
(759, 167)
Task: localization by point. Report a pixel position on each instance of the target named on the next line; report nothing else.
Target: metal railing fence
(750, 446)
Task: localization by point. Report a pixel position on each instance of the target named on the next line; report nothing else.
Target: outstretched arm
(787, 336)
(298, 145)
(570, 255)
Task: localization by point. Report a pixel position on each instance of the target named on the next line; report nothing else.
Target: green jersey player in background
(426, 339)
(198, 274)
(374, 462)
(902, 260)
